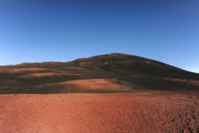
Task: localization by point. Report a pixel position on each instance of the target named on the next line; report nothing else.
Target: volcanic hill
(104, 73)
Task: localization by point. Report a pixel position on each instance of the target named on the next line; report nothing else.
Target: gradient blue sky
(63, 30)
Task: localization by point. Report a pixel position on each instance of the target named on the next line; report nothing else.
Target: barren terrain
(159, 112)
(107, 93)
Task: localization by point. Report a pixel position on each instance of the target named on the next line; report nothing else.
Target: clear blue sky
(63, 30)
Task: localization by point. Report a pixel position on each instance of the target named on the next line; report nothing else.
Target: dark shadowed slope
(135, 66)
(105, 73)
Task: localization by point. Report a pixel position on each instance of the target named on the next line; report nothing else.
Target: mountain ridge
(92, 57)
(113, 72)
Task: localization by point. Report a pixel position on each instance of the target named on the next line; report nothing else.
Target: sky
(64, 30)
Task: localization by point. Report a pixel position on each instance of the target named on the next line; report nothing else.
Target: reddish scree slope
(100, 113)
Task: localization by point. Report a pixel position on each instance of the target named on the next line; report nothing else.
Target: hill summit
(131, 65)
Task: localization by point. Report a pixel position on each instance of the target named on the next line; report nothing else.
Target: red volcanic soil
(100, 112)
(23, 70)
(39, 75)
(93, 85)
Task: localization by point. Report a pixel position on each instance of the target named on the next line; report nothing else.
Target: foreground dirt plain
(143, 112)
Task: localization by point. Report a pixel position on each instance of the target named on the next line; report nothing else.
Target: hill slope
(104, 73)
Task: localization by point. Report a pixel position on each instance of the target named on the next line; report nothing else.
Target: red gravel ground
(154, 112)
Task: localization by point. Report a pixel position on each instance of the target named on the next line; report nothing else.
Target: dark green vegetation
(111, 73)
